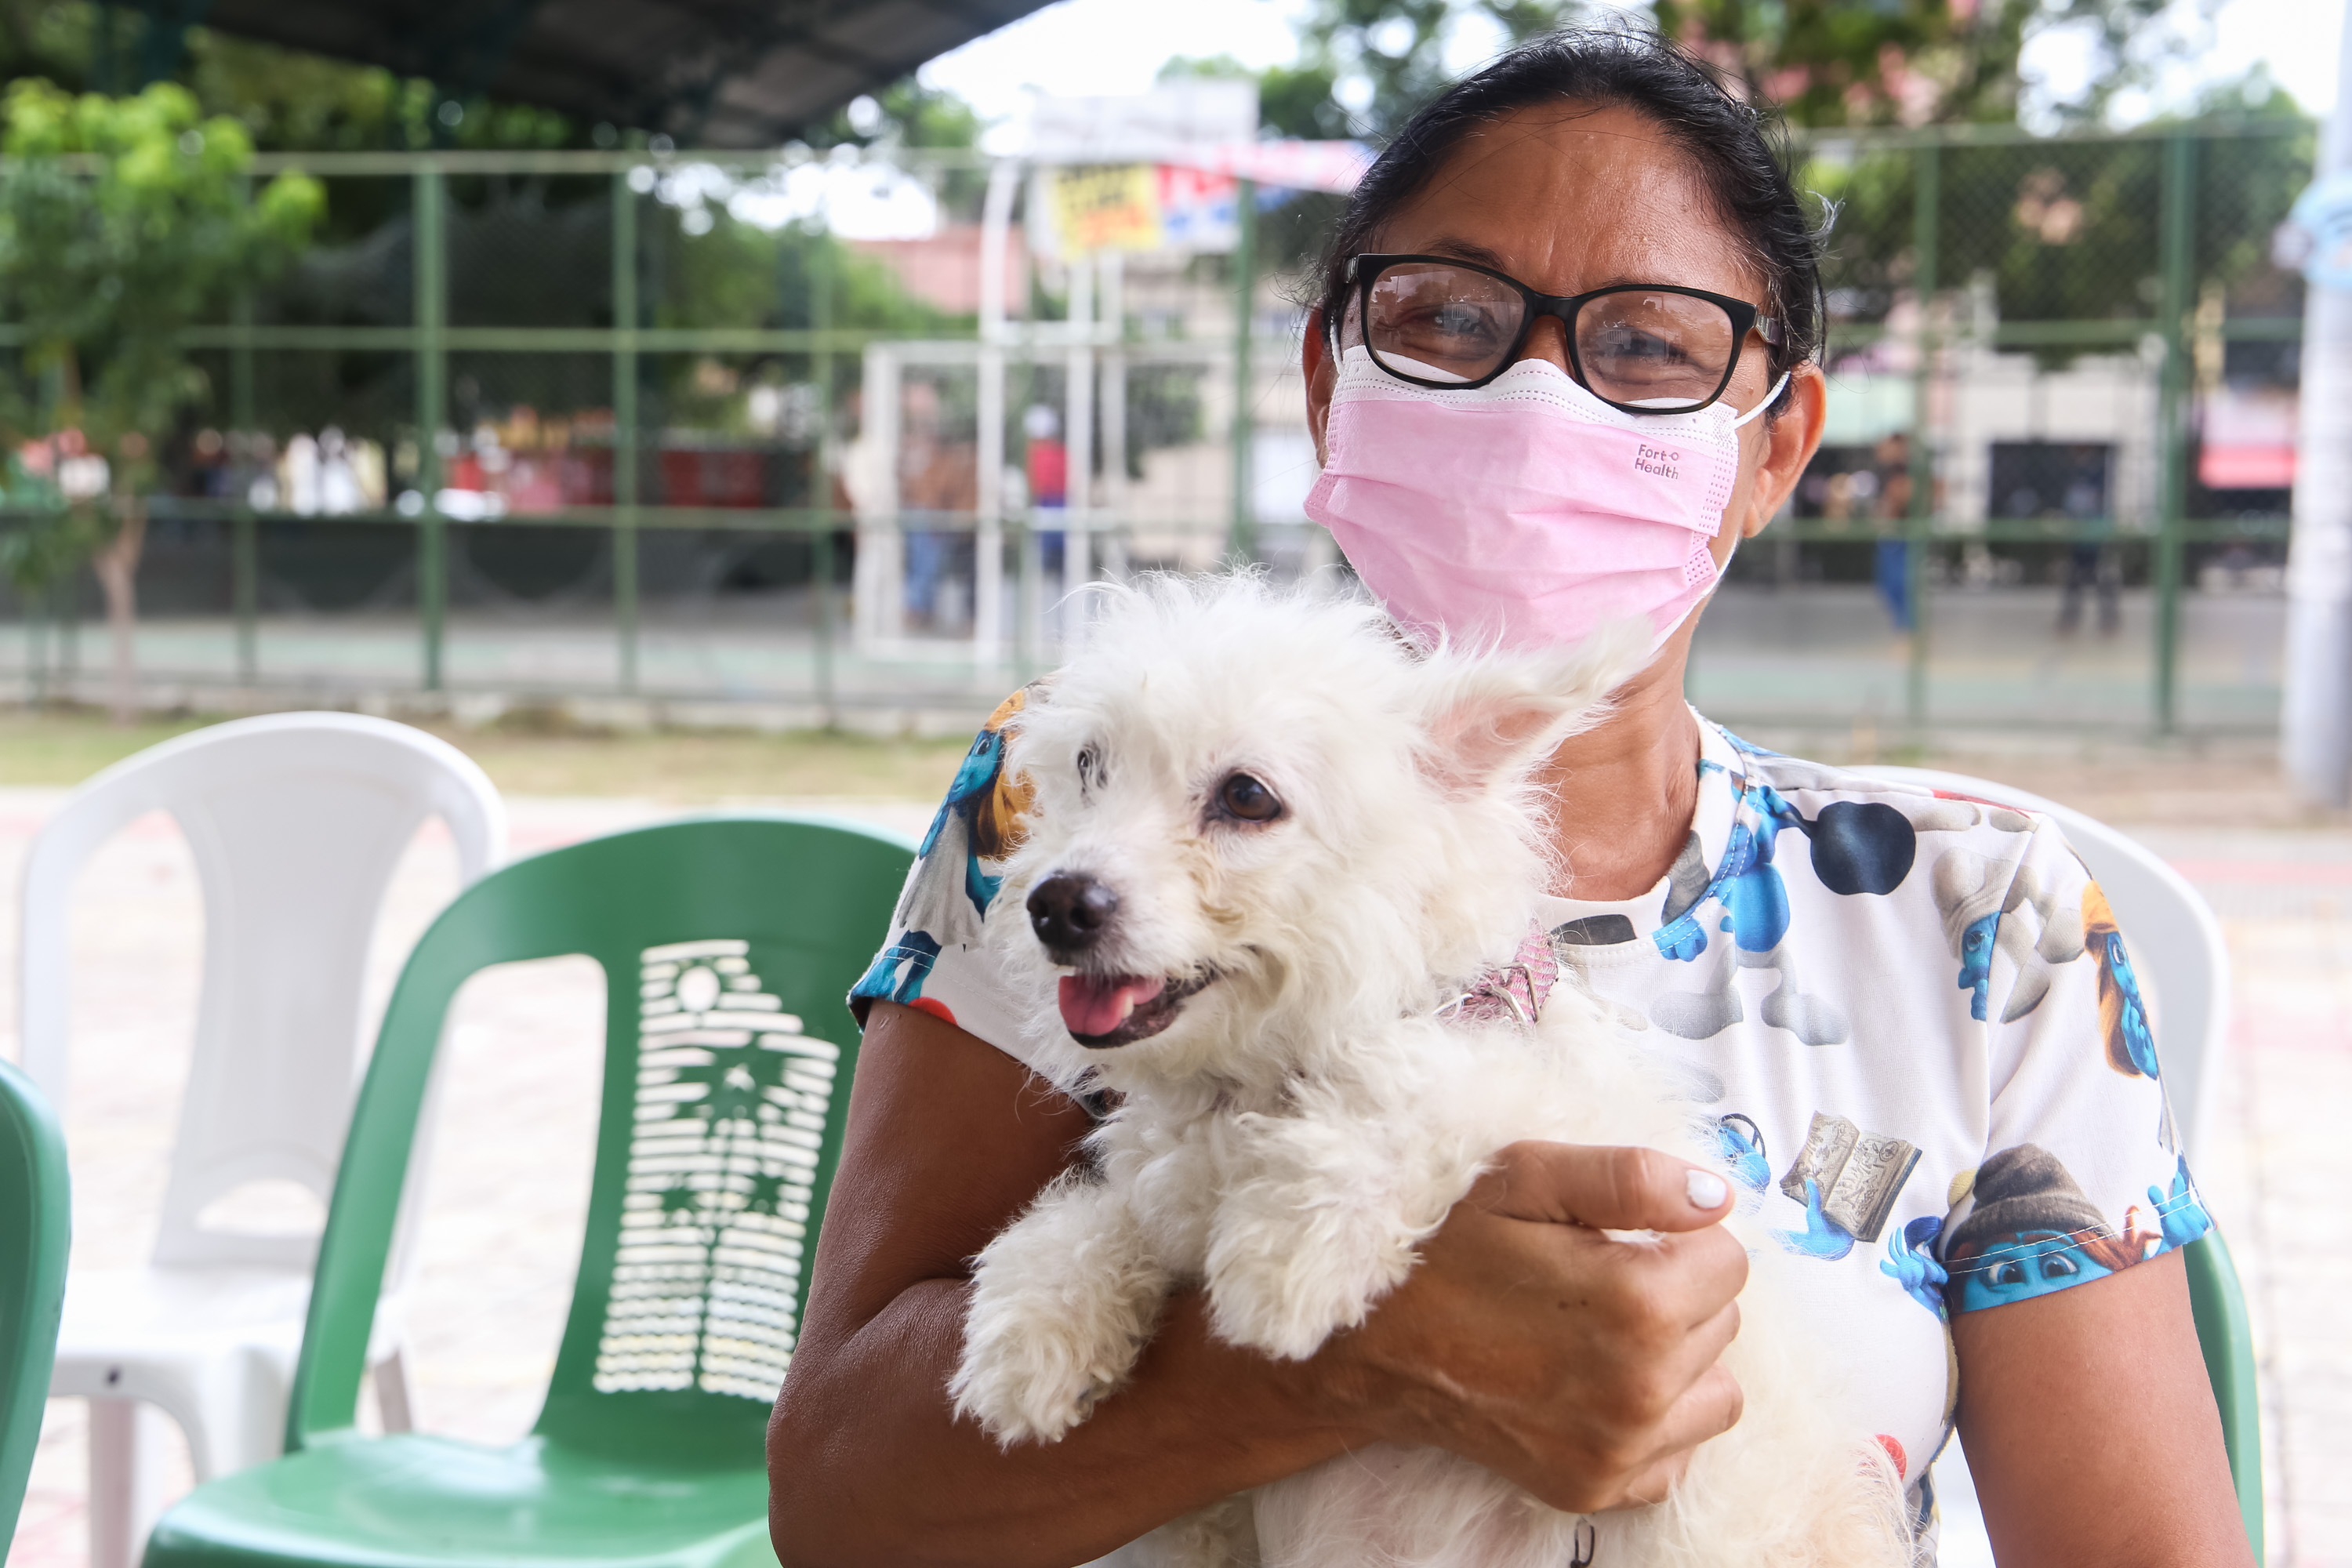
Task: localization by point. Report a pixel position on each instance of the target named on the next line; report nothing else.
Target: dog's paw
(1287, 1303)
(1031, 1381)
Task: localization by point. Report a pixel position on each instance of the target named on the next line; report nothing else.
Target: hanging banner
(1199, 211)
(1107, 206)
(1334, 167)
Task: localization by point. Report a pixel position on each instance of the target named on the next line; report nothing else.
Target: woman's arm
(2091, 1429)
(1583, 1369)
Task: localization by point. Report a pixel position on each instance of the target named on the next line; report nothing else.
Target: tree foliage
(121, 221)
(1365, 66)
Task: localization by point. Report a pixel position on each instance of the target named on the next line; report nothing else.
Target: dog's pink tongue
(1096, 1006)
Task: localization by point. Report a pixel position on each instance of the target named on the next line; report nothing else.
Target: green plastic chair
(2228, 1342)
(729, 947)
(36, 1222)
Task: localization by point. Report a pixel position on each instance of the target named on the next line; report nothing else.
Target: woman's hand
(1583, 1368)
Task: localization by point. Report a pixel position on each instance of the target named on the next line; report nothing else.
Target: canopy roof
(713, 73)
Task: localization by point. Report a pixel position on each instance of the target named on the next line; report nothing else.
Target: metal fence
(622, 426)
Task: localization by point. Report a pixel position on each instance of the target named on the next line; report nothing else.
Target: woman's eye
(1243, 796)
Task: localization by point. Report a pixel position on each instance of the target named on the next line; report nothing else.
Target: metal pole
(1927, 176)
(432, 386)
(988, 530)
(2315, 718)
(1114, 415)
(1240, 540)
(245, 548)
(1077, 435)
(625, 424)
(2176, 205)
(821, 564)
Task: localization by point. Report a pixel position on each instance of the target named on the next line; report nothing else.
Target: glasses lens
(1655, 349)
(1442, 323)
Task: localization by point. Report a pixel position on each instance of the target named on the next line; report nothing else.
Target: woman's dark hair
(1726, 140)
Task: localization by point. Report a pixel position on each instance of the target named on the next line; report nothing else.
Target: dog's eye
(1243, 796)
(1090, 770)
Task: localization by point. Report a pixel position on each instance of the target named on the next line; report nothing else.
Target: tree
(1365, 66)
(122, 221)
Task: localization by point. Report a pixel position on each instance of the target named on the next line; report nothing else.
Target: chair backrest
(35, 1217)
(2226, 1337)
(295, 823)
(2178, 954)
(729, 946)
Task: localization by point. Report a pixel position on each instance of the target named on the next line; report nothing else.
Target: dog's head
(1261, 818)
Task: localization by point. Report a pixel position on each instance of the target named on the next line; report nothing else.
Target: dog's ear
(1490, 719)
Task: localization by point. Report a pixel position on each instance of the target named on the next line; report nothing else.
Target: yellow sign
(1107, 207)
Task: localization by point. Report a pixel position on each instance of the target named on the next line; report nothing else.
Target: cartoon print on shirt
(1741, 1144)
(898, 970)
(2032, 1231)
(949, 891)
(1981, 901)
(1858, 847)
(1911, 1263)
(2123, 1017)
(1848, 1180)
(979, 822)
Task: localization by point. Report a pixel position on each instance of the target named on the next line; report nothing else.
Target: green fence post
(432, 310)
(1241, 539)
(625, 423)
(1917, 528)
(821, 474)
(2177, 206)
(245, 549)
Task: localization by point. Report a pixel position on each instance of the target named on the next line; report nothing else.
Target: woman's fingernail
(1707, 1189)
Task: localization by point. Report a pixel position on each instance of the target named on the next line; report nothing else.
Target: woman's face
(1567, 199)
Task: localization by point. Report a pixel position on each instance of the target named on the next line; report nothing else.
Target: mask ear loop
(1751, 413)
(1769, 399)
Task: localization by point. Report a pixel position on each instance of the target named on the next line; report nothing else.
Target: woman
(1588, 237)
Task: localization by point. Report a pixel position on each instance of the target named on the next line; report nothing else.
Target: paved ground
(504, 1207)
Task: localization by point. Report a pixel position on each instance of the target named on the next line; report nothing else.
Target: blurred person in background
(1892, 466)
(1047, 468)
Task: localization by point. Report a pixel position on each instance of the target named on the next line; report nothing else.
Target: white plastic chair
(2182, 963)
(295, 823)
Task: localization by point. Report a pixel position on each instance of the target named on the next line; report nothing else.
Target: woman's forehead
(1566, 198)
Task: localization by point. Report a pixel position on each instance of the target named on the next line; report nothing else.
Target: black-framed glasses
(1646, 348)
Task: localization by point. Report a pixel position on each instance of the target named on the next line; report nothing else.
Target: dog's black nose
(1070, 911)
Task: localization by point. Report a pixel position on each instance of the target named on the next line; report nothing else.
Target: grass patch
(64, 746)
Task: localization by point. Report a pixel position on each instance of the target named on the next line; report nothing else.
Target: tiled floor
(509, 1165)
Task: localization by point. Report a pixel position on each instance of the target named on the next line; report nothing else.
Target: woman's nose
(1547, 341)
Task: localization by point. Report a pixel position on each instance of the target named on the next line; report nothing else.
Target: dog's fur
(1305, 1119)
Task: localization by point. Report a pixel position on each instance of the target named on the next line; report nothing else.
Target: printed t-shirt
(1905, 1018)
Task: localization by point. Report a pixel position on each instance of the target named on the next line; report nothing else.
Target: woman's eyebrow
(1467, 250)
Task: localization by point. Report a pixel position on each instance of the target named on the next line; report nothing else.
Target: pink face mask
(1525, 512)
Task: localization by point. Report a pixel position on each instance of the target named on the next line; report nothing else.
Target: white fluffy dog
(1272, 847)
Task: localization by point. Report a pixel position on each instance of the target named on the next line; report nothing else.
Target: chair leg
(126, 1475)
(395, 1402)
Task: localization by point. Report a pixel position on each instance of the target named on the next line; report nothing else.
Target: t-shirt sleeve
(2083, 1176)
(935, 960)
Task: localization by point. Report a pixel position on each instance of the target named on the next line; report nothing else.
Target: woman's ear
(1315, 363)
(1789, 442)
